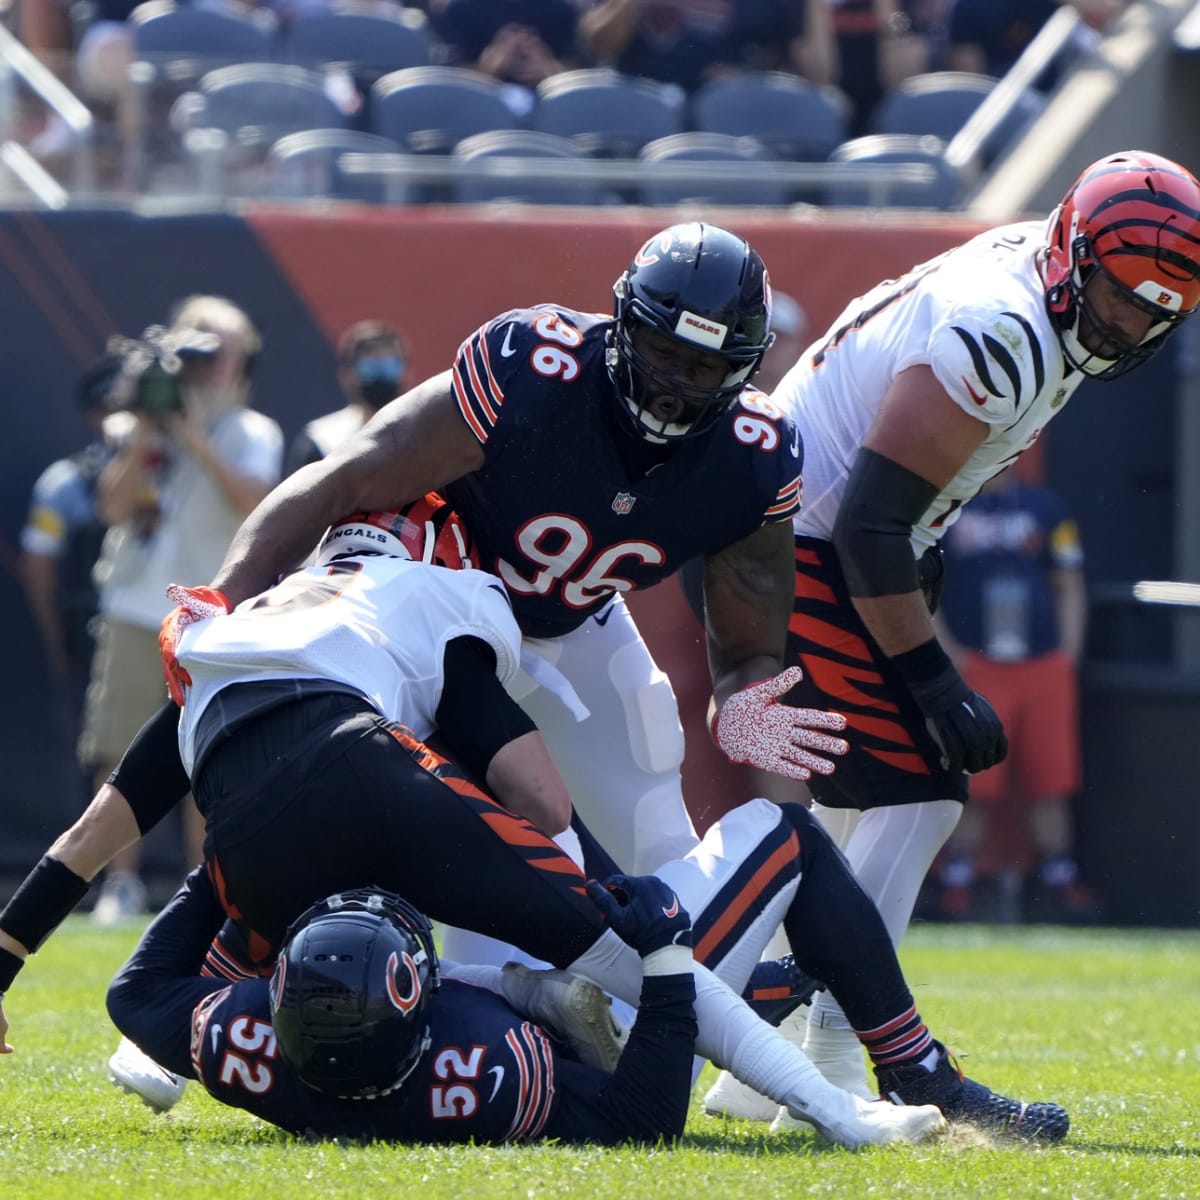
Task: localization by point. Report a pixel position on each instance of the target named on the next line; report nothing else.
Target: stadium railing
(19, 68)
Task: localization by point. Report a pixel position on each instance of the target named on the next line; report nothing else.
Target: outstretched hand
(193, 604)
(753, 727)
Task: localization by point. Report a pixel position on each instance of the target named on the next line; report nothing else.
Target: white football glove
(752, 727)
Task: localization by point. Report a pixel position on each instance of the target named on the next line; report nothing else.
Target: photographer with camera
(192, 460)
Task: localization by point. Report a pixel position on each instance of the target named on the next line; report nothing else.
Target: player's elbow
(550, 812)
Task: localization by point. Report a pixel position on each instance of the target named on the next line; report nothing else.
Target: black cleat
(962, 1099)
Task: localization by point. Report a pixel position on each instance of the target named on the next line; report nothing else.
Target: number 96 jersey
(570, 507)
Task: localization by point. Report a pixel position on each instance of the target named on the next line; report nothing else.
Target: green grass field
(1106, 1022)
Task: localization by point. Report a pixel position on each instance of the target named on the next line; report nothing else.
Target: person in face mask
(371, 371)
(191, 459)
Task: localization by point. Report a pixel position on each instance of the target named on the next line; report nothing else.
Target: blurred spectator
(1013, 616)
(988, 36)
(790, 325)
(879, 44)
(371, 371)
(687, 42)
(191, 462)
(516, 41)
(89, 46)
(59, 546)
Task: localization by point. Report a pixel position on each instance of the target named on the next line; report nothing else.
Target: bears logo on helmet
(427, 530)
(1135, 217)
(345, 1022)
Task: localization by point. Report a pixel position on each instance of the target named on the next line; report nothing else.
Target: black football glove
(643, 911)
(964, 725)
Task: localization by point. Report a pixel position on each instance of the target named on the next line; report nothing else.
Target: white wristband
(670, 960)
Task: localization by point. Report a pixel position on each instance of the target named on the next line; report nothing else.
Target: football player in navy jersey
(359, 1035)
(589, 456)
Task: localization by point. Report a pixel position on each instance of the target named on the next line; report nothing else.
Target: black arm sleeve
(883, 502)
(152, 996)
(150, 774)
(476, 716)
(646, 1098)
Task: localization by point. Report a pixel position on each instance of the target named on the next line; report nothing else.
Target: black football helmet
(351, 992)
(702, 286)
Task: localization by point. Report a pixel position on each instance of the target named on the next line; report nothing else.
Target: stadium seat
(794, 119)
(164, 30)
(938, 102)
(607, 114)
(749, 187)
(524, 143)
(942, 193)
(173, 46)
(941, 103)
(307, 164)
(428, 110)
(371, 40)
(258, 103)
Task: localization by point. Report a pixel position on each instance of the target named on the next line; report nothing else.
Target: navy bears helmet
(351, 993)
(701, 286)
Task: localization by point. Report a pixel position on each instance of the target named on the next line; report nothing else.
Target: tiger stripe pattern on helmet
(1135, 217)
(1155, 218)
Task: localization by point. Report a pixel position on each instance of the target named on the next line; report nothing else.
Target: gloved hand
(753, 727)
(965, 726)
(194, 604)
(643, 911)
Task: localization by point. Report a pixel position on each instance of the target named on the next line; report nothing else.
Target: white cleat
(139, 1075)
(857, 1123)
(729, 1097)
(573, 1007)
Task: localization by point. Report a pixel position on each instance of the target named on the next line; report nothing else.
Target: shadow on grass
(749, 1142)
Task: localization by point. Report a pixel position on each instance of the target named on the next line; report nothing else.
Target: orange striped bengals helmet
(1135, 217)
(427, 530)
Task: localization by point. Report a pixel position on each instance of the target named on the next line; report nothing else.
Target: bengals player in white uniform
(921, 391)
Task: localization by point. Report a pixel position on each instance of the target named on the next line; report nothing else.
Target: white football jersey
(377, 625)
(976, 316)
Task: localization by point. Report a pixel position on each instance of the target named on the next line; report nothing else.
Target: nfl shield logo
(623, 503)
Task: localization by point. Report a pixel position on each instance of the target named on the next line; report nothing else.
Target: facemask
(379, 378)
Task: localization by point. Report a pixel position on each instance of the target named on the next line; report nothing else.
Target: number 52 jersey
(488, 1075)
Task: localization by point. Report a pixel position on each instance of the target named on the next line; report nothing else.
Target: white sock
(731, 1036)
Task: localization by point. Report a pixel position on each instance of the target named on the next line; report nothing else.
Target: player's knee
(124, 1002)
(815, 842)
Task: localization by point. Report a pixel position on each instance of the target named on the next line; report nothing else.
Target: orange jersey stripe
(913, 763)
(829, 636)
(780, 859)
